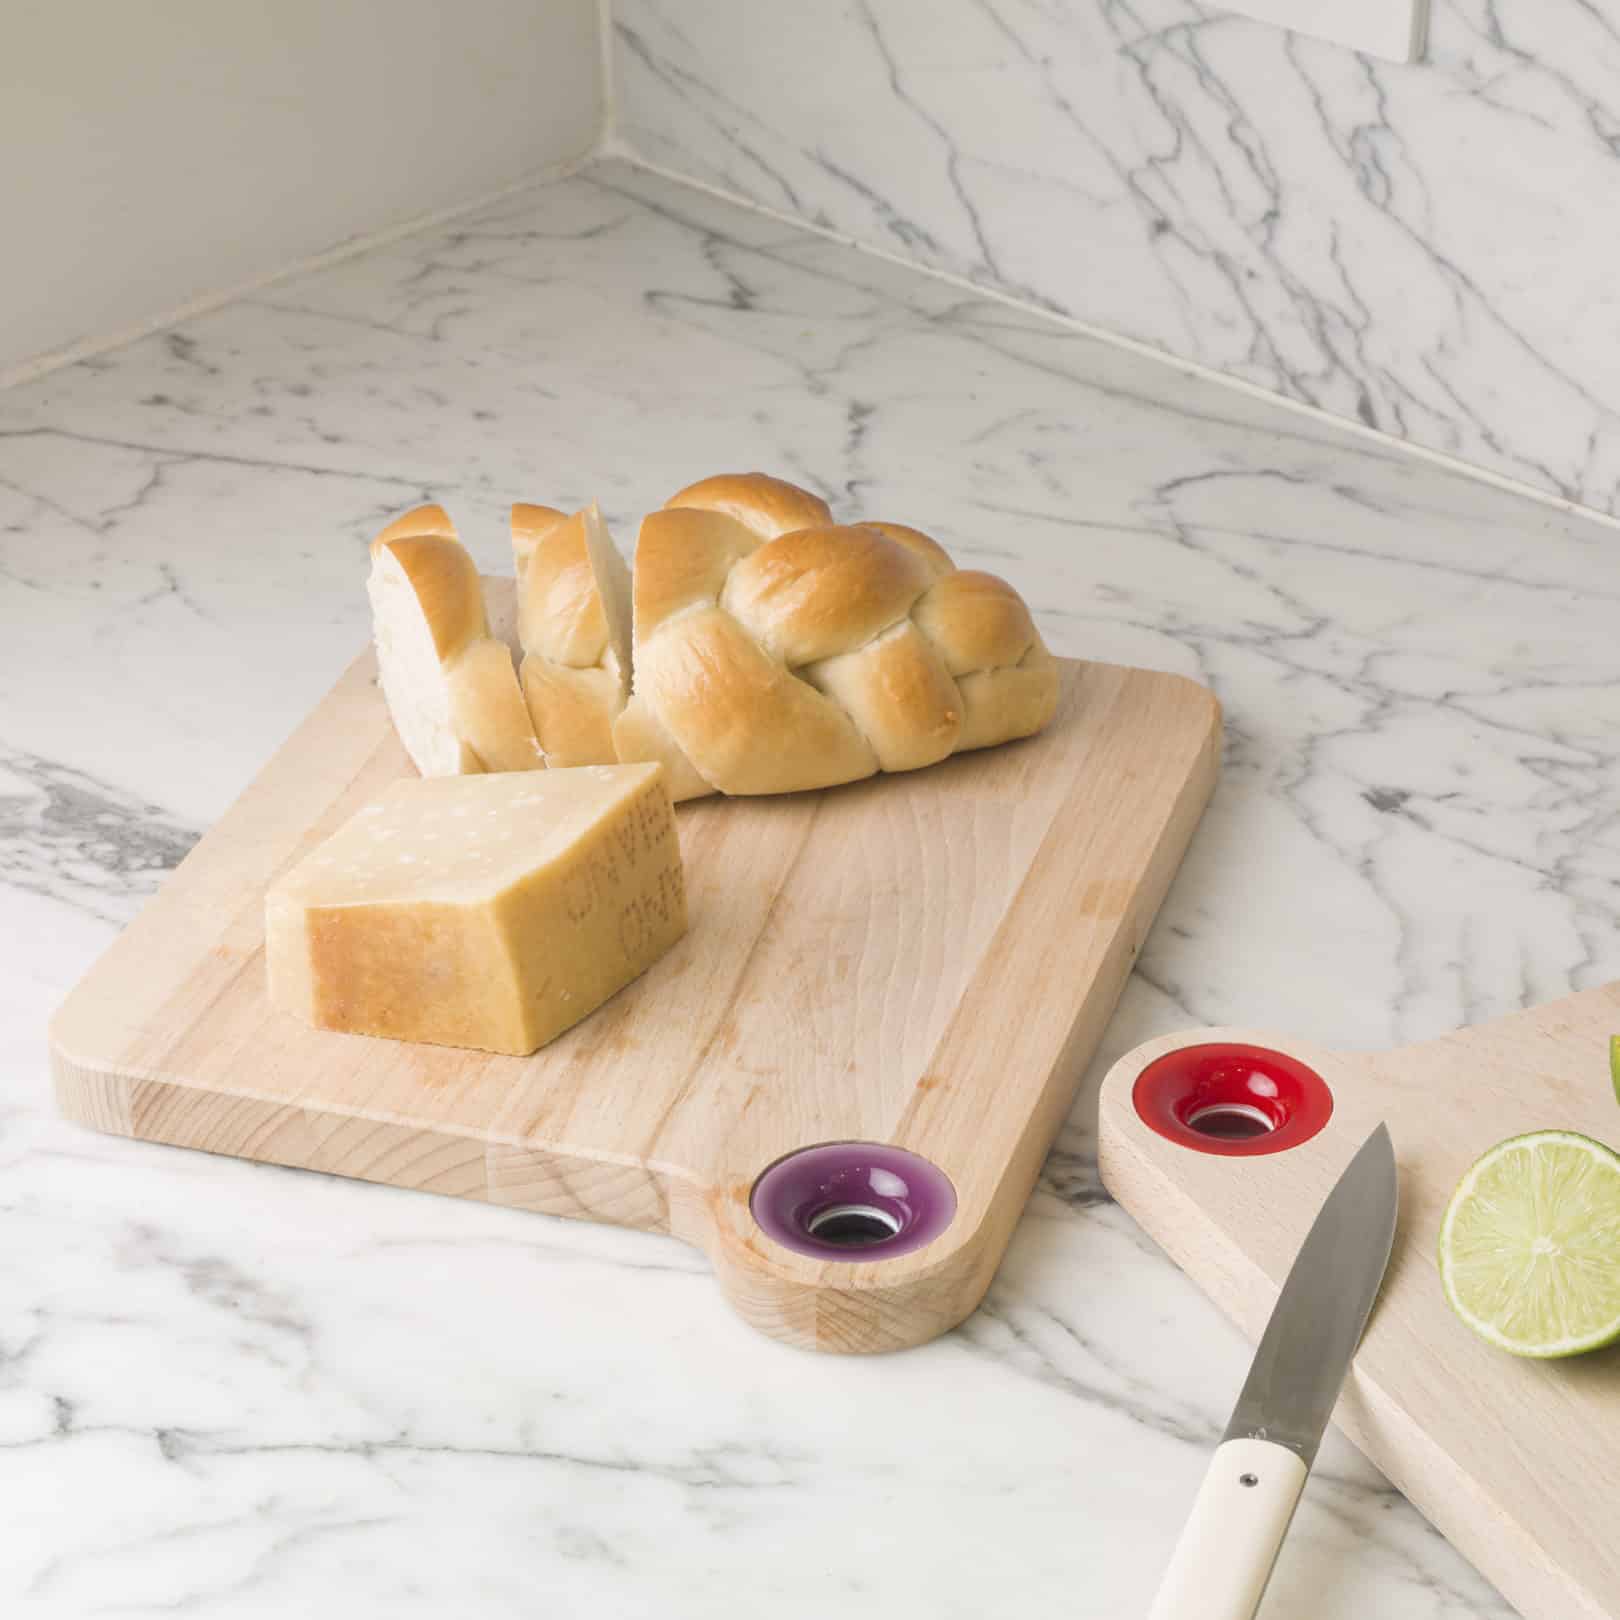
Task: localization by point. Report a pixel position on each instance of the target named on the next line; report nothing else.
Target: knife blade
(1224, 1559)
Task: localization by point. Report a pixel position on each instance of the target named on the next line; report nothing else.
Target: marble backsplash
(1431, 250)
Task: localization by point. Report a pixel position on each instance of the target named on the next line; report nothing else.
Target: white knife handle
(1224, 1558)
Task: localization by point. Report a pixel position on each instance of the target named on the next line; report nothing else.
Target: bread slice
(683, 556)
(574, 626)
(451, 687)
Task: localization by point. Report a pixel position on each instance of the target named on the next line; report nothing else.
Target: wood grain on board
(926, 960)
(1516, 1462)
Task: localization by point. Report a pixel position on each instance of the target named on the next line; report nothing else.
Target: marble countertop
(230, 1390)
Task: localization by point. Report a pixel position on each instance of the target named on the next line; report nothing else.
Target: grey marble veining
(234, 1391)
(1432, 250)
(69, 838)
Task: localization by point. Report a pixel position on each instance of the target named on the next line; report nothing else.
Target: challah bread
(765, 506)
(574, 627)
(774, 659)
(530, 525)
(451, 687)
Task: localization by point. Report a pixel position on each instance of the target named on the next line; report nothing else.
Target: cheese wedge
(491, 911)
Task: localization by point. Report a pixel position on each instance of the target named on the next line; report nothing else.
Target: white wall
(153, 154)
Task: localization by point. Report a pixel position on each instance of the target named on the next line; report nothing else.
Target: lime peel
(1530, 1245)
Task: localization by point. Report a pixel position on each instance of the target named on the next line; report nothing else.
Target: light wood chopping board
(1516, 1462)
(925, 960)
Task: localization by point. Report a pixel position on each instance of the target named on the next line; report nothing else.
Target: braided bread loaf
(775, 651)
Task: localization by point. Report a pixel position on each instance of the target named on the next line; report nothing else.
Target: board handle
(1225, 1556)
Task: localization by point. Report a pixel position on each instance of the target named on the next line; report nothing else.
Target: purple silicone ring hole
(853, 1201)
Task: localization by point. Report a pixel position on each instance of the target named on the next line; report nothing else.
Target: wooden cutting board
(925, 960)
(1516, 1462)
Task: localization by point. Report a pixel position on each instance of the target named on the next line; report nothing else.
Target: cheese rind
(490, 911)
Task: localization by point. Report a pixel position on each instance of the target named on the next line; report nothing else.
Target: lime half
(1614, 1064)
(1530, 1245)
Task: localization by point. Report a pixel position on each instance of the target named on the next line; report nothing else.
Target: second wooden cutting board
(1513, 1460)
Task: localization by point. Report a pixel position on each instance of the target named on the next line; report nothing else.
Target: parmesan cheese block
(492, 911)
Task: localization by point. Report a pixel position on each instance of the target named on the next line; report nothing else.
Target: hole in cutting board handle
(1232, 1100)
(1231, 1121)
(853, 1226)
(853, 1201)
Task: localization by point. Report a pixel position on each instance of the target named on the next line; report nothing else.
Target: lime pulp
(1530, 1245)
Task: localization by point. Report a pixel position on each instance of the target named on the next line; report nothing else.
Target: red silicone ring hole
(1233, 1100)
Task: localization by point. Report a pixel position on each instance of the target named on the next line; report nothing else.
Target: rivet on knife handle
(1224, 1558)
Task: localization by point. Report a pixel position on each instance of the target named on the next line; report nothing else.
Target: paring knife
(1225, 1556)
